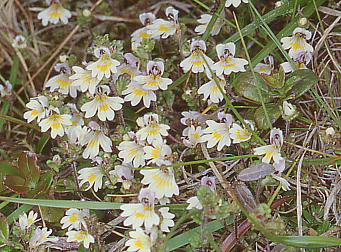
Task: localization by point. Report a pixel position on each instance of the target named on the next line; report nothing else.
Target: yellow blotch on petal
(63, 83)
(55, 125)
(73, 217)
(138, 244)
(160, 181)
(92, 177)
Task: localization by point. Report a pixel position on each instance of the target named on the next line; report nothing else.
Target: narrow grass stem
(252, 71)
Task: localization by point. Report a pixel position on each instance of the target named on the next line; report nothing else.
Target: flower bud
(302, 22)
(330, 131)
(86, 13)
(63, 58)
(278, 4)
(289, 111)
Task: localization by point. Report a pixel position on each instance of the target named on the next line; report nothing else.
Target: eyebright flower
(25, 221)
(38, 106)
(133, 152)
(211, 91)
(74, 219)
(56, 122)
(189, 118)
(194, 136)
(139, 241)
(235, 3)
(123, 172)
(194, 202)
(288, 111)
(151, 130)
(204, 21)
(105, 65)
(227, 63)
(158, 154)
(154, 81)
(165, 28)
(80, 236)
(143, 33)
(93, 176)
(103, 105)
(218, 133)
(93, 139)
(84, 80)
(40, 236)
(265, 68)
(209, 182)
(167, 219)
(62, 82)
(54, 14)
(239, 134)
(272, 151)
(298, 41)
(130, 67)
(135, 92)
(19, 42)
(141, 213)
(195, 62)
(160, 181)
(6, 89)
(284, 183)
(301, 60)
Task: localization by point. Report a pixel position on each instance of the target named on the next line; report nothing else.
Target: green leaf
(16, 184)
(65, 203)
(275, 80)
(28, 168)
(44, 182)
(299, 82)
(308, 241)
(274, 113)
(245, 85)
(42, 142)
(4, 229)
(5, 169)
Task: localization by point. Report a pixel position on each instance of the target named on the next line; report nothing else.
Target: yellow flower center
(73, 217)
(92, 177)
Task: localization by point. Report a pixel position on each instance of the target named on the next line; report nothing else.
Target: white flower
(54, 14)
(284, 183)
(123, 172)
(139, 214)
(160, 181)
(301, 60)
(298, 41)
(270, 151)
(93, 139)
(217, 133)
(166, 220)
(74, 219)
(26, 221)
(276, 137)
(132, 152)
(84, 80)
(235, 3)
(152, 130)
(239, 134)
(40, 236)
(105, 65)
(62, 83)
(80, 236)
(130, 67)
(140, 242)
(227, 63)
(56, 122)
(195, 62)
(189, 119)
(204, 21)
(135, 92)
(6, 89)
(158, 154)
(154, 81)
(164, 28)
(19, 42)
(38, 106)
(194, 202)
(211, 91)
(194, 136)
(288, 108)
(143, 33)
(74, 131)
(93, 176)
(265, 68)
(103, 105)
(330, 131)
